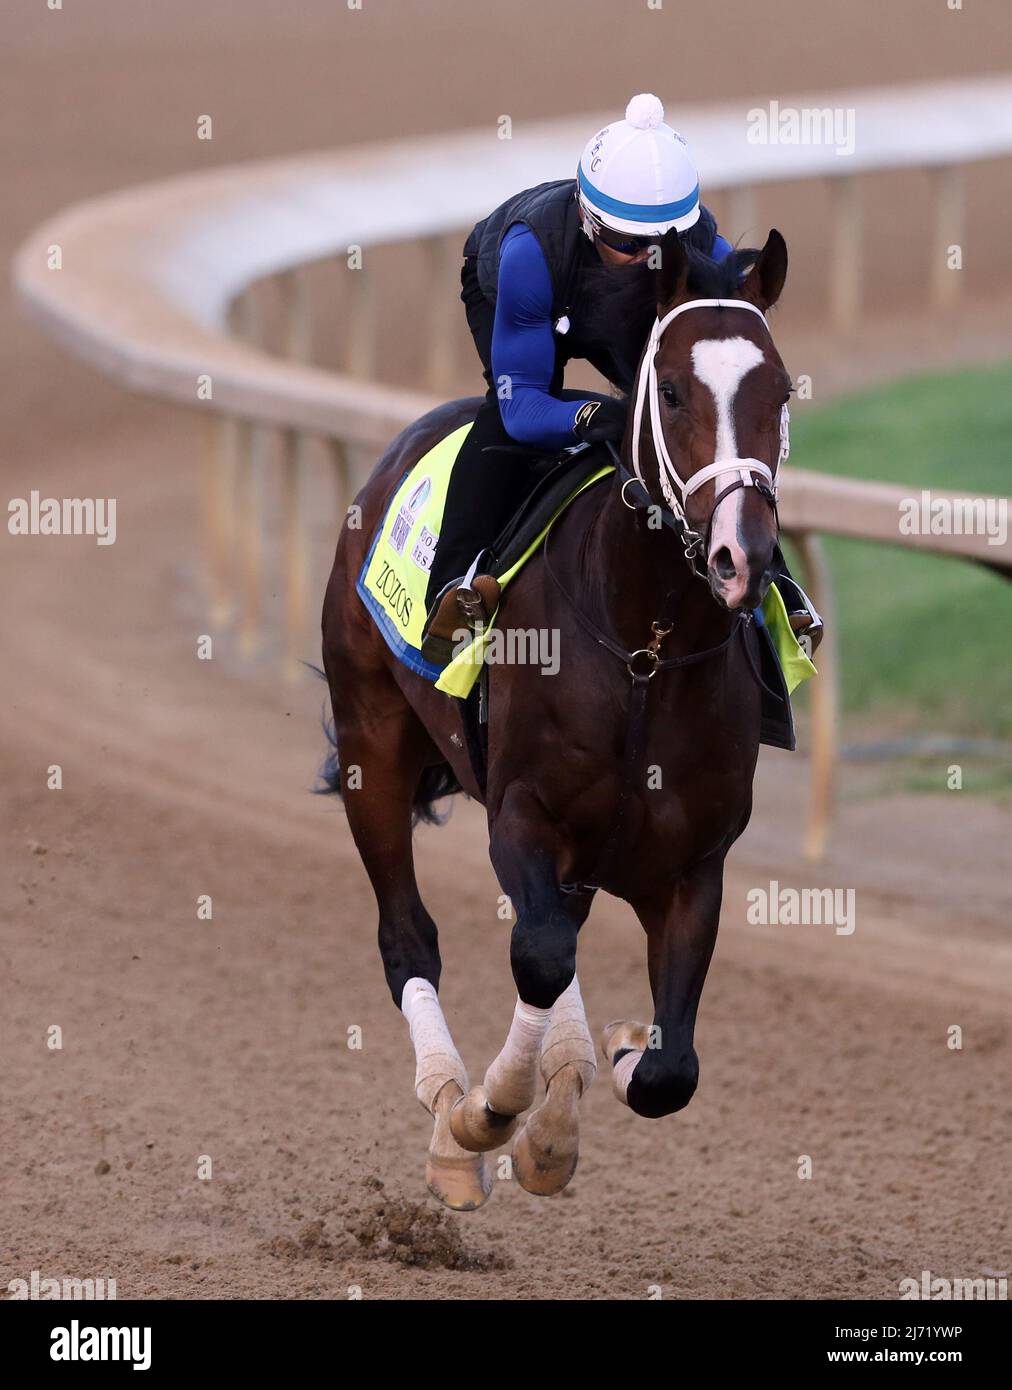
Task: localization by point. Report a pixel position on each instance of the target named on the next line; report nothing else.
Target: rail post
(742, 212)
(443, 255)
(342, 478)
(294, 478)
(252, 447)
(249, 508)
(295, 475)
(360, 344)
(220, 440)
(947, 185)
(825, 698)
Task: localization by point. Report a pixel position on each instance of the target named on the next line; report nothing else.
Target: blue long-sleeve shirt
(523, 343)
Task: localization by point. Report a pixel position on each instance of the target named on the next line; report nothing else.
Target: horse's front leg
(543, 960)
(546, 1150)
(655, 1069)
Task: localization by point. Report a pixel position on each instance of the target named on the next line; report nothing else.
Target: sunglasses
(622, 242)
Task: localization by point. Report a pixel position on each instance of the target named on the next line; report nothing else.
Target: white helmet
(636, 176)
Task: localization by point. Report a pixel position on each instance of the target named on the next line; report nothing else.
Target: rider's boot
(804, 617)
(468, 602)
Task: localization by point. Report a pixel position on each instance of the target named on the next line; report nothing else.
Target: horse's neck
(628, 571)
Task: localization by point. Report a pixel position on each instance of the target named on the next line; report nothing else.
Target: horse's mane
(710, 279)
(618, 304)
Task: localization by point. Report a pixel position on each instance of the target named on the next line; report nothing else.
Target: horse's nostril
(722, 564)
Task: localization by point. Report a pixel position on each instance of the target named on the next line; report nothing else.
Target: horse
(630, 772)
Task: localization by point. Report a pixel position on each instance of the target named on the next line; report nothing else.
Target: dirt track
(228, 1038)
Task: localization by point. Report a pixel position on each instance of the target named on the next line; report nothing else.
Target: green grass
(923, 639)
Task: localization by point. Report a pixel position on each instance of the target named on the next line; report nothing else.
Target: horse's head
(709, 421)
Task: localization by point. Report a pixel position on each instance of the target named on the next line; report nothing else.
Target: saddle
(559, 478)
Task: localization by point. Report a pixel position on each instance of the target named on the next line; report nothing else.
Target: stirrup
(478, 592)
(466, 602)
(479, 600)
(805, 620)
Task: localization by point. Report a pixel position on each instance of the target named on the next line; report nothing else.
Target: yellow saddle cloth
(395, 575)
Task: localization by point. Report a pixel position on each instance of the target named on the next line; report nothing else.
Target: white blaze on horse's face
(721, 364)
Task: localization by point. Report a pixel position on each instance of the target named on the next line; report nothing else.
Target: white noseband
(646, 386)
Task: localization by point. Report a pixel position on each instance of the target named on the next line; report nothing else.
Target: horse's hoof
(547, 1149)
(477, 1128)
(459, 1179)
(624, 1035)
(462, 1184)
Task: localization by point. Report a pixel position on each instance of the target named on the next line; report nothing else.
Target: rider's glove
(599, 420)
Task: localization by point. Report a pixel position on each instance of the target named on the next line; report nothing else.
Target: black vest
(550, 211)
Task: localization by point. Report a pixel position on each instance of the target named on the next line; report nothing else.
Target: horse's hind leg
(382, 752)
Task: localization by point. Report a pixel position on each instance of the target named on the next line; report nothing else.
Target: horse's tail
(434, 784)
(328, 779)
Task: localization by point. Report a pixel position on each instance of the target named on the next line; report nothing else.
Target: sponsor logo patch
(401, 530)
(420, 495)
(407, 515)
(424, 548)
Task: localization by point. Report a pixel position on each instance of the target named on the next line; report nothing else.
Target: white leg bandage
(437, 1061)
(568, 1038)
(622, 1074)
(511, 1082)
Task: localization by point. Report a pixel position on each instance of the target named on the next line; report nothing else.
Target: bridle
(676, 489)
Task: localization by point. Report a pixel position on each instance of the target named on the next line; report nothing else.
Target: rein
(661, 628)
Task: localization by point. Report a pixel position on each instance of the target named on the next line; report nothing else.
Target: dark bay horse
(630, 771)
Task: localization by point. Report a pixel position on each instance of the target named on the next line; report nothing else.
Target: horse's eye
(669, 394)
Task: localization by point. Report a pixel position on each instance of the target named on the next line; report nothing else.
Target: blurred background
(184, 777)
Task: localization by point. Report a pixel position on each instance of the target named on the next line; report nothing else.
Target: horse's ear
(671, 270)
(765, 280)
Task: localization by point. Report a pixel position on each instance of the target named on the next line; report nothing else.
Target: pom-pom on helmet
(636, 178)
